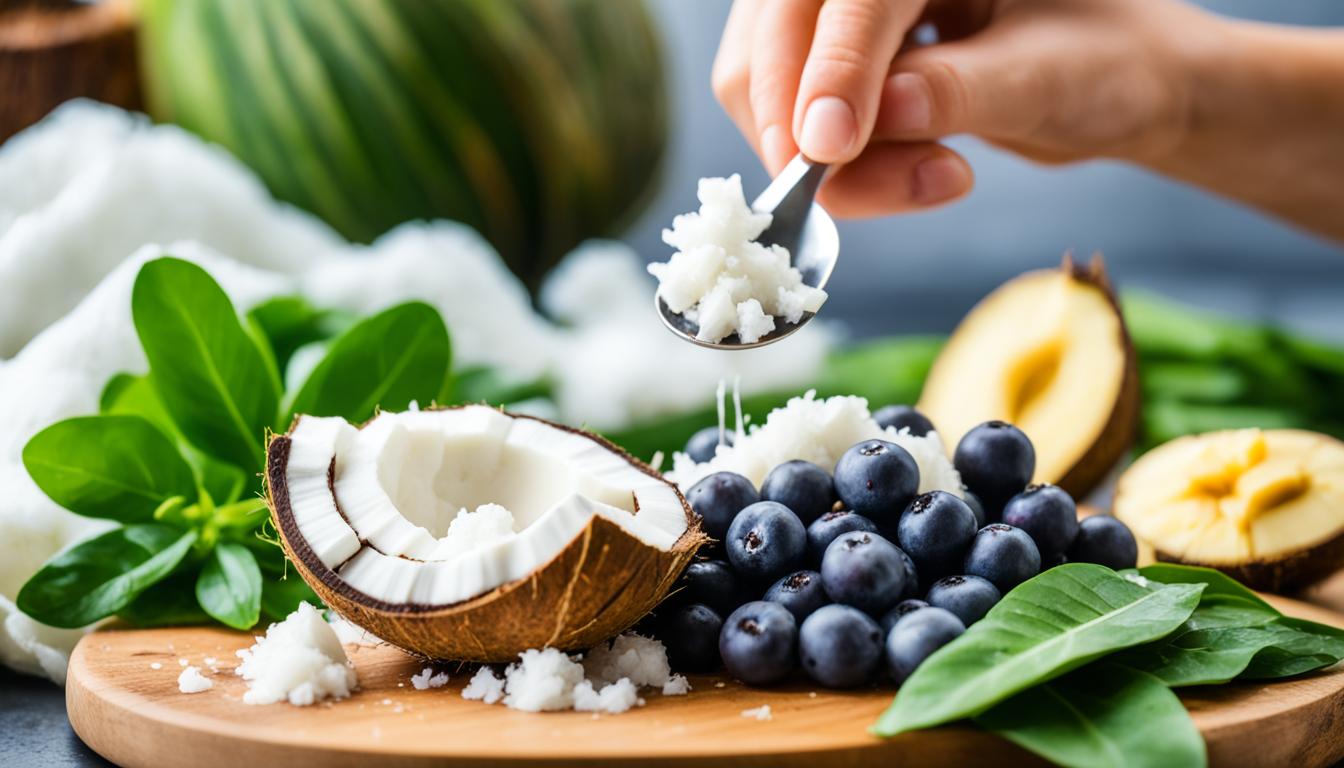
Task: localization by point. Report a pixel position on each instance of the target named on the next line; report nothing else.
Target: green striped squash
(538, 122)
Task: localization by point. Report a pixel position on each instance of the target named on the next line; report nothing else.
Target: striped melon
(538, 122)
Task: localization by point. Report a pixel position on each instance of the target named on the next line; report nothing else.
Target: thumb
(982, 85)
(841, 83)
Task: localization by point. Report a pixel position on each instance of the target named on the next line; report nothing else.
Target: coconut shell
(601, 583)
(1118, 435)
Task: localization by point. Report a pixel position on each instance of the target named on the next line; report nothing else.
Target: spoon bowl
(800, 226)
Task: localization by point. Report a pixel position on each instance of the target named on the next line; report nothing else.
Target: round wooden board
(133, 714)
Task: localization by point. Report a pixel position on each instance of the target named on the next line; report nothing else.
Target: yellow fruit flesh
(1236, 497)
(1044, 352)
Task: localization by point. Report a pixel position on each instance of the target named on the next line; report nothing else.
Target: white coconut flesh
(432, 508)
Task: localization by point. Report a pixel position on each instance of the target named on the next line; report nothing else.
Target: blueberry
(801, 592)
(916, 636)
(1003, 555)
(801, 486)
(1048, 515)
(996, 461)
(826, 528)
(969, 597)
(973, 501)
(935, 531)
(713, 583)
(718, 498)
(691, 634)
(766, 541)
(759, 643)
(876, 479)
(702, 445)
(912, 589)
(863, 570)
(890, 618)
(903, 417)
(840, 646)
(1104, 540)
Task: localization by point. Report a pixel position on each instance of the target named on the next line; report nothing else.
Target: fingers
(989, 84)
(781, 38)
(891, 177)
(841, 85)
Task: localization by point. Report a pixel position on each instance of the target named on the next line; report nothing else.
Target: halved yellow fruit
(1266, 507)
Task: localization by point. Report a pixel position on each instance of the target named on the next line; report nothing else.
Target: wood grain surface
(134, 715)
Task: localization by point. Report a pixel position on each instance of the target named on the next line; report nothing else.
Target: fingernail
(772, 145)
(939, 179)
(911, 108)
(830, 129)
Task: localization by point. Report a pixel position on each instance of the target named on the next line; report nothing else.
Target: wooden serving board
(133, 715)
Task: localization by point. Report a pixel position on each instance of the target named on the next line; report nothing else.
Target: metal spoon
(799, 225)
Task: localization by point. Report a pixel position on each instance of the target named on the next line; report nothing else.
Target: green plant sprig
(175, 455)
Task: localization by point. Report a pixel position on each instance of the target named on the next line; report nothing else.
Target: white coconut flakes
(608, 680)
(299, 660)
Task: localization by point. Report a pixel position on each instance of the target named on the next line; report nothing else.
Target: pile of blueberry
(844, 575)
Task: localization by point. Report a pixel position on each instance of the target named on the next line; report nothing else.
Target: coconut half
(474, 534)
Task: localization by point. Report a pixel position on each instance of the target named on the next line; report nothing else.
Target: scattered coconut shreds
(427, 679)
(192, 681)
(608, 679)
(156, 665)
(614, 698)
(819, 431)
(542, 681)
(183, 662)
(299, 660)
(677, 685)
(484, 686)
(759, 713)
(640, 659)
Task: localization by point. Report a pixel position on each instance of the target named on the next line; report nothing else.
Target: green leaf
(171, 602)
(130, 395)
(1213, 646)
(281, 596)
(489, 385)
(289, 322)
(210, 375)
(1047, 626)
(229, 588)
(1215, 582)
(1101, 716)
(101, 576)
(388, 360)
(1300, 646)
(115, 467)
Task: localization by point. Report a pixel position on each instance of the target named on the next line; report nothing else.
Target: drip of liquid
(719, 395)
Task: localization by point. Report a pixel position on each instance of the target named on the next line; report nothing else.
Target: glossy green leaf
(101, 576)
(280, 596)
(229, 588)
(212, 379)
(1215, 582)
(1300, 646)
(1213, 646)
(1049, 625)
(290, 322)
(1101, 716)
(169, 603)
(385, 361)
(115, 467)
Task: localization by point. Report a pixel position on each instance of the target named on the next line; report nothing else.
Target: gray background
(925, 270)
(921, 272)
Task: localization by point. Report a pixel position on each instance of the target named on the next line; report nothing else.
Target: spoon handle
(789, 199)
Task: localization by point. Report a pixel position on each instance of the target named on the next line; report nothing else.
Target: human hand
(1053, 80)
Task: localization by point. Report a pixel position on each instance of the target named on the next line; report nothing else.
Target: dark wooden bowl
(55, 50)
